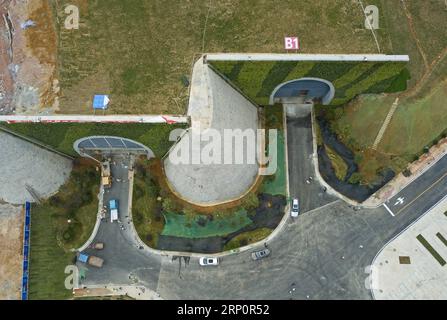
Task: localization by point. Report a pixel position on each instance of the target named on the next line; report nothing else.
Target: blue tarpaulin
(100, 101)
(83, 258)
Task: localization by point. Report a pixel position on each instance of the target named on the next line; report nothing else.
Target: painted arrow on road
(399, 201)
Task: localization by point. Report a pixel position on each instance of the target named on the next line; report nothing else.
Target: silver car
(295, 208)
(260, 254)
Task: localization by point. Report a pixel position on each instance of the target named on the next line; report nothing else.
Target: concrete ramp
(213, 106)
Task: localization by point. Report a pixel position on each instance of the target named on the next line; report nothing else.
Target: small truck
(91, 260)
(113, 206)
(106, 177)
(97, 246)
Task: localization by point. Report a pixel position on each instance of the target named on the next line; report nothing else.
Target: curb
(98, 221)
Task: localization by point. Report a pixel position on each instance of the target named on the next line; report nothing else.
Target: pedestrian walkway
(133, 292)
(385, 123)
(412, 266)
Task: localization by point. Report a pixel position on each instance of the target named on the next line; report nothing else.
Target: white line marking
(388, 209)
(93, 118)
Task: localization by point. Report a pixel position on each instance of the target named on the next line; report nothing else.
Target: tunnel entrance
(313, 90)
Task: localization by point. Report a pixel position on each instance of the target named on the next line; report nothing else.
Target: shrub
(355, 178)
(169, 205)
(137, 217)
(201, 221)
(250, 202)
(190, 214)
(55, 201)
(139, 192)
(358, 158)
(406, 173)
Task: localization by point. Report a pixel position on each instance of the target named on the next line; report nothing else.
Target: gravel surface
(11, 220)
(24, 163)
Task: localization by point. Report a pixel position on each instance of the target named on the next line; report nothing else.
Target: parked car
(205, 261)
(260, 254)
(295, 211)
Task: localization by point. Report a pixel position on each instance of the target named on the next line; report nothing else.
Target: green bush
(139, 192)
(355, 178)
(250, 202)
(169, 205)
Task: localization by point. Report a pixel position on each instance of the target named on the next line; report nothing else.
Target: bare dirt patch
(6, 81)
(11, 221)
(28, 60)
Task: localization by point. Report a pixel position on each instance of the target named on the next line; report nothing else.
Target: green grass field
(47, 259)
(247, 237)
(416, 123)
(53, 237)
(138, 51)
(146, 210)
(61, 136)
(339, 165)
(419, 120)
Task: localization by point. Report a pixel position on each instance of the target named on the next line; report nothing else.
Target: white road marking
(400, 200)
(388, 209)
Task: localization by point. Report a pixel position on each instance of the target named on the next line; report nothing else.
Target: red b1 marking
(291, 43)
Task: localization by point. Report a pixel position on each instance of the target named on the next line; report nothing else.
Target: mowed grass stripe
(441, 237)
(430, 249)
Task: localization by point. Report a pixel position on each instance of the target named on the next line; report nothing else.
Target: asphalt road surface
(323, 254)
(124, 261)
(300, 149)
(428, 189)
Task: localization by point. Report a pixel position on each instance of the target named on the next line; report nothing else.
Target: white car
(295, 208)
(204, 261)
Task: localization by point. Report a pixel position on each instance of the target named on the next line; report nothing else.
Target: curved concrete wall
(318, 88)
(213, 104)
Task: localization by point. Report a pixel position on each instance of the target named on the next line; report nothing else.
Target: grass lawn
(431, 250)
(340, 166)
(53, 237)
(247, 237)
(200, 226)
(61, 136)
(47, 259)
(416, 123)
(276, 183)
(419, 121)
(352, 127)
(441, 237)
(138, 51)
(146, 210)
